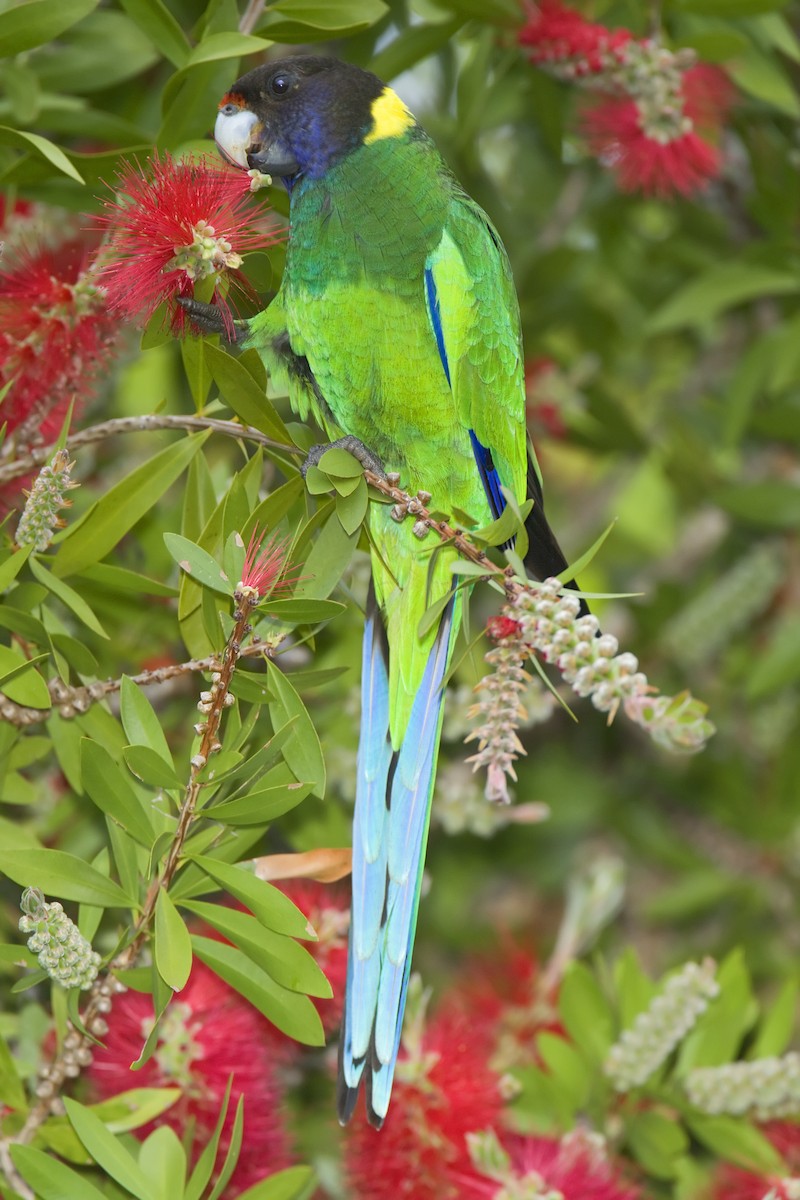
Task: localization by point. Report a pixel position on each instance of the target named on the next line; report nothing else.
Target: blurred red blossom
(574, 1167)
(616, 134)
(173, 225)
(443, 1090)
(734, 1183)
(554, 33)
(504, 996)
(55, 336)
(658, 115)
(208, 1034)
(543, 405)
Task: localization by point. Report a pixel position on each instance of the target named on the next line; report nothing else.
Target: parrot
(396, 328)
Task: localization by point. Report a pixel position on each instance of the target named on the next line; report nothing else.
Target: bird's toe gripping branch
(368, 460)
(209, 318)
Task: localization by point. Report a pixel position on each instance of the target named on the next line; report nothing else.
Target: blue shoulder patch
(483, 457)
(489, 477)
(432, 297)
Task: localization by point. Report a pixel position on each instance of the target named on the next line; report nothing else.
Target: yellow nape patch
(390, 117)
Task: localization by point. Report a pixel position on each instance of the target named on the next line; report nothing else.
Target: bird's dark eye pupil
(280, 85)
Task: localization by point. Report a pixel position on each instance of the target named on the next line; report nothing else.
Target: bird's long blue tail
(390, 832)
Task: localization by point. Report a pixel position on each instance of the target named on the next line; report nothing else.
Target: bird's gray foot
(368, 460)
(209, 318)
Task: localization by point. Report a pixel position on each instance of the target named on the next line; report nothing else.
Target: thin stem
(77, 1046)
(149, 421)
(252, 15)
(74, 701)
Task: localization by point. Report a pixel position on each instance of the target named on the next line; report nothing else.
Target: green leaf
(352, 509)
(68, 596)
(232, 1153)
(719, 1031)
(292, 1184)
(268, 903)
(304, 20)
(173, 948)
(205, 1163)
(657, 1142)
(778, 663)
(34, 141)
(736, 1141)
(281, 957)
(162, 1159)
(259, 807)
(139, 720)
(198, 563)
(51, 1179)
(158, 23)
(111, 517)
(327, 560)
(717, 289)
(302, 751)
(413, 45)
(241, 392)
(11, 567)
(775, 1031)
(762, 76)
(107, 1151)
(12, 1093)
(150, 767)
(21, 682)
(585, 1012)
(773, 503)
(136, 1107)
(107, 786)
(505, 527)
(39, 22)
(340, 464)
(226, 45)
(64, 875)
(301, 611)
(567, 1066)
(293, 1014)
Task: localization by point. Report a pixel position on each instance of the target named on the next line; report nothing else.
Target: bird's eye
(279, 85)
(229, 110)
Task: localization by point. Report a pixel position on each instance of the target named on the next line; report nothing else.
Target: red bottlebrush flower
(558, 37)
(264, 564)
(498, 628)
(328, 912)
(207, 1034)
(574, 1167)
(734, 1183)
(445, 1092)
(542, 404)
(503, 999)
(640, 163)
(55, 335)
(181, 223)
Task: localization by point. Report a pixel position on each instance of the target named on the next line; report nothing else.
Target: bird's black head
(301, 115)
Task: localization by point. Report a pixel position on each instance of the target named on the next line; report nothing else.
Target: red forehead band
(232, 98)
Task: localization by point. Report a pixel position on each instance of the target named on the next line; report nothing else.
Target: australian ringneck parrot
(396, 323)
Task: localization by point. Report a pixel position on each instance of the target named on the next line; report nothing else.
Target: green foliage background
(673, 335)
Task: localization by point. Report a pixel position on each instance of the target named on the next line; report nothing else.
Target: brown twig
(77, 1049)
(74, 701)
(145, 423)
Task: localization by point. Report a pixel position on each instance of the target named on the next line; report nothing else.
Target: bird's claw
(368, 460)
(209, 318)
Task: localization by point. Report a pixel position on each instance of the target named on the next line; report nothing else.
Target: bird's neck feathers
(390, 118)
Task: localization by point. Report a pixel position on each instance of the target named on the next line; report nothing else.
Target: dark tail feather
(545, 557)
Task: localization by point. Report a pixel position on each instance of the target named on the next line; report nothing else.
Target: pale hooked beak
(233, 133)
(244, 142)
